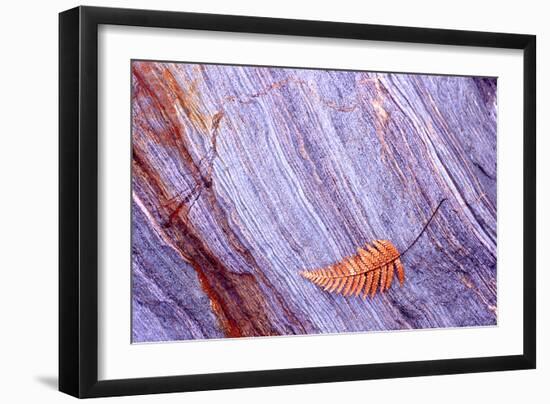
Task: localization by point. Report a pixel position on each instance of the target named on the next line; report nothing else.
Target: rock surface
(245, 176)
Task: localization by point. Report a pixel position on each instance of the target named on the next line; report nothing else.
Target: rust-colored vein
(229, 325)
(188, 99)
(167, 129)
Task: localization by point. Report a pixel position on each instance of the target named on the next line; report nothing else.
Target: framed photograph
(251, 201)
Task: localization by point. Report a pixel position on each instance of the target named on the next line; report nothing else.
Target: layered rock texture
(243, 177)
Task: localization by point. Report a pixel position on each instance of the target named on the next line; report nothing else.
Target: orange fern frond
(370, 270)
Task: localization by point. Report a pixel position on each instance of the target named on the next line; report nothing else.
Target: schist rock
(243, 177)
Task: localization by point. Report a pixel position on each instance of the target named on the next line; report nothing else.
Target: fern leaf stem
(424, 228)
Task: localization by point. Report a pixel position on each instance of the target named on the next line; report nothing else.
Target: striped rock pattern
(244, 177)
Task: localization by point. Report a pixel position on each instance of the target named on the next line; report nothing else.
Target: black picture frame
(78, 200)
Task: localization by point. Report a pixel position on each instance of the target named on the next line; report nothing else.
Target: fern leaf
(370, 270)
